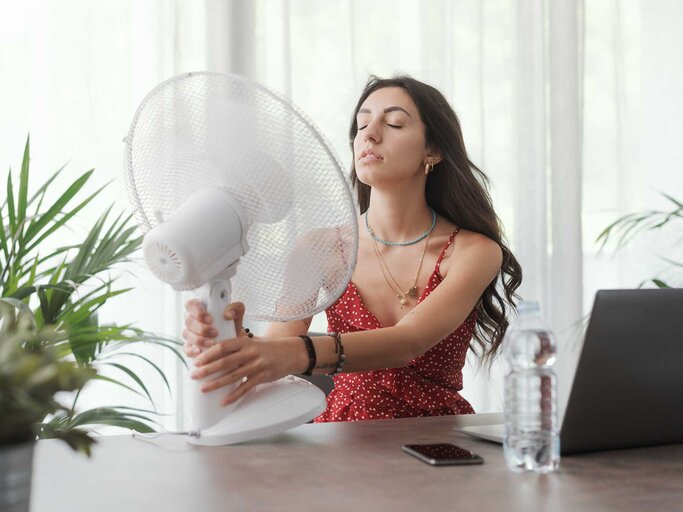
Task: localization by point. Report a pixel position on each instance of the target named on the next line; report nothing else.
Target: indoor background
(573, 110)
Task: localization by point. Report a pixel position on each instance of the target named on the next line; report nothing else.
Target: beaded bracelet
(338, 349)
(311, 354)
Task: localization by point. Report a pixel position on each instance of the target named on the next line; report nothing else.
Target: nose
(372, 132)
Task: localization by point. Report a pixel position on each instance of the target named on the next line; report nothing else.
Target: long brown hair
(457, 190)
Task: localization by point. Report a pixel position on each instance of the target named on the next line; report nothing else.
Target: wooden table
(354, 466)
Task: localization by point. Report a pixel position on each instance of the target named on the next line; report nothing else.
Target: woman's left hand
(256, 359)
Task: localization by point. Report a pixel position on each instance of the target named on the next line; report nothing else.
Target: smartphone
(442, 454)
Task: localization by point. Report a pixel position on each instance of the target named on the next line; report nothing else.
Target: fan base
(266, 410)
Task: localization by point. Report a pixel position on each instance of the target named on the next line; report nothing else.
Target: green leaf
(40, 193)
(78, 440)
(23, 184)
(10, 206)
(84, 351)
(49, 216)
(42, 220)
(44, 306)
(3, 244)
(660, 283)
(78, 265)
(76, 313)
(118, 383)
(673, 200)
(672, 262)
(27, 291)
(117, 416)
(133, 376)
(147, 360)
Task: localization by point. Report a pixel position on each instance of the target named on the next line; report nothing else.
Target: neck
(398, 217)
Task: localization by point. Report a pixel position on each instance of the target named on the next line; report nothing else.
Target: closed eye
(392, 125)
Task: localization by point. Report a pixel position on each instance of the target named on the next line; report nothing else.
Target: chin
(367, 176)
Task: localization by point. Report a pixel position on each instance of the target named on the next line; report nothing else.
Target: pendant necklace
(391, 281)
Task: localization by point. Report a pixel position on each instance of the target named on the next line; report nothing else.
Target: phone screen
(442, 454)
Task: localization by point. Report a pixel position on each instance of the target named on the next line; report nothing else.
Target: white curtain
(572, 110)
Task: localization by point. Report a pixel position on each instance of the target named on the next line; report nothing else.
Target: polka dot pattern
(427, 386)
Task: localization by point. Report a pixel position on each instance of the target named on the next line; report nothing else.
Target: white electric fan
(239, 195)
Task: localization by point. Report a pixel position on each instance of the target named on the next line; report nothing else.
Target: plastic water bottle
(532, 440)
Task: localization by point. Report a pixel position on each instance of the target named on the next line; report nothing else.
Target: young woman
(433, 275)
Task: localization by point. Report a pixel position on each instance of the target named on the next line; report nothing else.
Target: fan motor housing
(198, 242)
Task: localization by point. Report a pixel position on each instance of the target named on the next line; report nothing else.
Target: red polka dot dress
(427, 386)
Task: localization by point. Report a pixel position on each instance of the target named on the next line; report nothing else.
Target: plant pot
(16, 463)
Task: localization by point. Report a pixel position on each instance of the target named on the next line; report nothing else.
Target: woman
(430, 272)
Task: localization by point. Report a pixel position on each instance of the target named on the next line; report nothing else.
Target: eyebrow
(386, 110)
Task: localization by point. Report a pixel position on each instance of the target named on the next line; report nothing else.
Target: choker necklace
(412, 291)
(401, 244)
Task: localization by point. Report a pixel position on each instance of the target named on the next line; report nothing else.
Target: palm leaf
(117, 382)
(147, 360)
(79, 311)
(674, 201)
(104, 416)
(3, 238)
(78, 265)
(78, 439)
(56, 209)
(11, 214)
(133, 376)
(23, 184)
(40, 193)
(26, 291)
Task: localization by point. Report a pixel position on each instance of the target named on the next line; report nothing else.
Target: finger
(191, 350)
(192, 341)
(220, 350)
(200, 328)
(243, 389)
(235, 311)
(195, 308)
(230, 378)
(227, 363)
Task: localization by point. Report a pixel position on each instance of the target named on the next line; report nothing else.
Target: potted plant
(31, 374)
(64, 286)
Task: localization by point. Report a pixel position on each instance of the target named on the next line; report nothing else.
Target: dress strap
(443, 252)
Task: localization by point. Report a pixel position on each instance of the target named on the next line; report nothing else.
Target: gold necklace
(391, 281)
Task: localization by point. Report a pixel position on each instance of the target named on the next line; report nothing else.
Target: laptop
(628, 386)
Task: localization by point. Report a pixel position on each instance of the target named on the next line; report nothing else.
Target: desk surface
(345, 466)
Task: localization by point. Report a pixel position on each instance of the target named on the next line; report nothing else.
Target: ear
(434, 156)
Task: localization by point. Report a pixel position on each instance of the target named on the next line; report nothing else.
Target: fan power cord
(145, 435)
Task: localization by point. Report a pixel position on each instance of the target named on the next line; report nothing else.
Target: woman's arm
(442, 312)
(287, 329)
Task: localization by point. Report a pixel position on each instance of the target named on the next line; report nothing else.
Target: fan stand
(267, 409)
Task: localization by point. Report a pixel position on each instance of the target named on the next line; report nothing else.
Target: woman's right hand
(199, 332)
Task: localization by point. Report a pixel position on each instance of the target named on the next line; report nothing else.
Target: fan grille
(210, 129)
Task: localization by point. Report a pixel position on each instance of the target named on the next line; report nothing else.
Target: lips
(369, 156)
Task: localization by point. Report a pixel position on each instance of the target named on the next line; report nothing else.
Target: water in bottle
(532, 440)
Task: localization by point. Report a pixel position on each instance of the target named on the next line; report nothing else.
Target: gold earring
(428, 168)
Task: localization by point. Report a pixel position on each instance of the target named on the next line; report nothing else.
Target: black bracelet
(311, 354)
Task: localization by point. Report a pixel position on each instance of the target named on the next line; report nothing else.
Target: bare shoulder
(472, 248)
